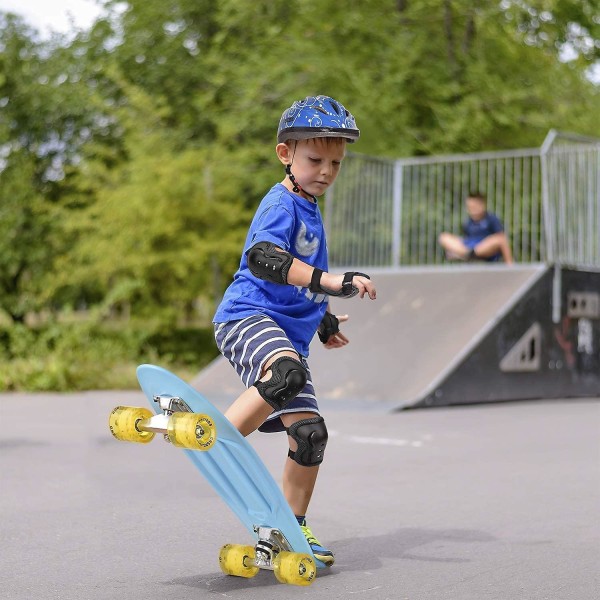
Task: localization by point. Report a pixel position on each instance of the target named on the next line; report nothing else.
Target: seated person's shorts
(470, 243)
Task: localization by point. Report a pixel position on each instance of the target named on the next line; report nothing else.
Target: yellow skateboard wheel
(124, 420)
(192, 431)
(295, 568)
(238, 560)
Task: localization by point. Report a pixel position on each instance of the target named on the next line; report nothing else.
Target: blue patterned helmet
(317, 116)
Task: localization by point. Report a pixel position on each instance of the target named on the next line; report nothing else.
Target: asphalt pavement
(482, 502)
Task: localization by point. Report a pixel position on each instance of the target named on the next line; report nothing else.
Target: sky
(54, 15)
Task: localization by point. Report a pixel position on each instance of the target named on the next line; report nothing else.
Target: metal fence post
(549, 245)
(397, 214)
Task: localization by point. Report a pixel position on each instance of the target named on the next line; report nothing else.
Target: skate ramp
(424, 323)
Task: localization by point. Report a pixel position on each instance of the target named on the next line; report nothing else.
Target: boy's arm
(302, 274)
(496, 225)
(267, 261)
(498, 228)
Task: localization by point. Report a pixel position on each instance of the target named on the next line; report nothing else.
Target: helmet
(317, 116)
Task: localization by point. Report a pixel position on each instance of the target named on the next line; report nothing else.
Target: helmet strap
(296, 187)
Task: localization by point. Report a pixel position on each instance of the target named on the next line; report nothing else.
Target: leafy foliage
(133, 155)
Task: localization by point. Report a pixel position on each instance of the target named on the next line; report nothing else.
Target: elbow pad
(268, 263)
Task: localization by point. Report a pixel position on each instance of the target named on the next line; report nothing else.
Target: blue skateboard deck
(231, 466)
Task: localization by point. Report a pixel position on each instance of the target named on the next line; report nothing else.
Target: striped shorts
(247, 344)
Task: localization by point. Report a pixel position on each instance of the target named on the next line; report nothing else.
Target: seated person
(483, 235)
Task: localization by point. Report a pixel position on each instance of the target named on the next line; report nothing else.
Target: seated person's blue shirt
(476, 231)
(294, 224)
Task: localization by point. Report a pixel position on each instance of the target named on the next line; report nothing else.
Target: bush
(83, 355)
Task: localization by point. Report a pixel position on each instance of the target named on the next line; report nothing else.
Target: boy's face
(476, 208)
(315, 162)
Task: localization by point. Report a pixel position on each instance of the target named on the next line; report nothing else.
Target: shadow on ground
(353, 555)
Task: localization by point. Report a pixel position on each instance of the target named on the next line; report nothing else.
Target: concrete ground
(483, 502)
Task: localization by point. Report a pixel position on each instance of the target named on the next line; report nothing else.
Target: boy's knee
(311, 436)
(288, 378)
(496, 238)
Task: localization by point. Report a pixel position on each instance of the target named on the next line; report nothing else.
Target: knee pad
(311, 437)
(288, 378)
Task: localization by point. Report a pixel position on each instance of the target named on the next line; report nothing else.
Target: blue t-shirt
(294, 224)
(475, 231)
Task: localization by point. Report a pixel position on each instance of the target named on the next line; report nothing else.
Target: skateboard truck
(178, 423)
(168, 404)
(159, 423)
(270, 543)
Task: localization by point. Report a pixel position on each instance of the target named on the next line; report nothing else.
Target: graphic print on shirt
(306, 244)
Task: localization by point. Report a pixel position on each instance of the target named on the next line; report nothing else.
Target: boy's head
(312, 137)
(316, 163)
(476, 205)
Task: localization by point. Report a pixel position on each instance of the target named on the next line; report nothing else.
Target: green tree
(45, 120)
(162, 226)
(133, 155)
(26, 239)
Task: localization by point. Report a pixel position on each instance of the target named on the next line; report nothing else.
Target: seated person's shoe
(324, 555)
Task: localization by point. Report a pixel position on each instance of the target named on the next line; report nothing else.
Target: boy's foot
(453, 256)
(324, 555)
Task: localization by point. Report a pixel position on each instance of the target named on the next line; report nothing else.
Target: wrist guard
(329, 326)
(348, 290)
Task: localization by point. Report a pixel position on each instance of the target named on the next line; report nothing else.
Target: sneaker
(324, 555)
(453, 256)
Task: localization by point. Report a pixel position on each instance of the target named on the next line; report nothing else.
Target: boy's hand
(360, 281)
(329, 332)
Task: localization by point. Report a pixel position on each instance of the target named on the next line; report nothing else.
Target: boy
(484, 236)
(279, 298)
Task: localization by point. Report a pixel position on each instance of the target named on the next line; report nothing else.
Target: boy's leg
(496, 243)
(453, 245)
(250, 409)
(298, 480)
(298, 485)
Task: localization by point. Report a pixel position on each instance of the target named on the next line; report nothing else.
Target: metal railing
(571, 194)
(389, 213)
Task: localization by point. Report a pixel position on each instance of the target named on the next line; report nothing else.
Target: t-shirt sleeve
(275, 225)
(495, 224)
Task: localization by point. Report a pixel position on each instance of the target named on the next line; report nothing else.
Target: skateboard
(229, 463)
